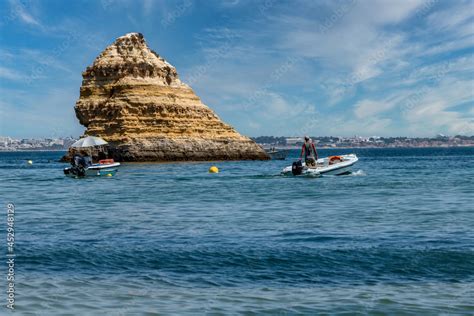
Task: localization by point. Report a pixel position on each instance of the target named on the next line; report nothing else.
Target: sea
(395, 237)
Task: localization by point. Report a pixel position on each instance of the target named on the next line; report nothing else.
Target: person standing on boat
(309, 151)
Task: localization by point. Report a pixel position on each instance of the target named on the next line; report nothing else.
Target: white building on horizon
(293, 140)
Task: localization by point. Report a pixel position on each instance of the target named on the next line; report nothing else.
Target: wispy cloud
(10, 74)
(19, 9)
(436, 110)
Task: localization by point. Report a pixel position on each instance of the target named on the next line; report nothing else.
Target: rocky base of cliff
(182, 149)
(187, 149)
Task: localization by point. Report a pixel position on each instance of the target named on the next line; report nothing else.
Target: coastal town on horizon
(63, 143)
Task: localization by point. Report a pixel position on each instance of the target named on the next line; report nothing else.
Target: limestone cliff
(133, 98)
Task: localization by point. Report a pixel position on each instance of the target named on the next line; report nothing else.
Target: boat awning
(89, 141)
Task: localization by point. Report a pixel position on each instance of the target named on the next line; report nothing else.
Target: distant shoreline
(276, 147)
(371, 147)
(30, 150)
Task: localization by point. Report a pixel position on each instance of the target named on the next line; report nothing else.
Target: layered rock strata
(133, 98)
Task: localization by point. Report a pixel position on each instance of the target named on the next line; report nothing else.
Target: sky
(281, 68)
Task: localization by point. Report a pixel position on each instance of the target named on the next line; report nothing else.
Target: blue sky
(386, 68)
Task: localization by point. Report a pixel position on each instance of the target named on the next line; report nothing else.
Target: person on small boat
(77, 160)
(87, 159)
(309, 151)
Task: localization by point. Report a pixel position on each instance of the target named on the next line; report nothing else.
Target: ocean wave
(235, 265)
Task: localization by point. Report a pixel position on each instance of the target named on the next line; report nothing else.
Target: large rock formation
(133, 98)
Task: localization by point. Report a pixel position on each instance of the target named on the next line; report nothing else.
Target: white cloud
(19, 10)
(368, 126)
(453, 18)
(383, 12)
(435, 110)
(367, 108)
(352, 39)
(434, 117)
(228, 3)
(445, 45)
(10, 74)
(50, 59)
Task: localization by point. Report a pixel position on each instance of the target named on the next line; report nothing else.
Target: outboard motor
(297, 168)
(78, 171)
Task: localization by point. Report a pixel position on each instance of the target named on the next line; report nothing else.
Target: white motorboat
(332, 165)
(106, 167)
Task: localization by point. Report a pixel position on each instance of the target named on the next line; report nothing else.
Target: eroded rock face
(133, 98)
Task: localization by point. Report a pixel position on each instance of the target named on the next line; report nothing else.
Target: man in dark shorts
(309, 151)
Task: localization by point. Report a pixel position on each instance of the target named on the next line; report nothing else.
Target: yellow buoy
(109, 174)
(30, 162)
(213, 169)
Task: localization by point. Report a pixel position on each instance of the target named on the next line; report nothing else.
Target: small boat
(332, 165)
(83, 167)
(105, 167)
(277, 154)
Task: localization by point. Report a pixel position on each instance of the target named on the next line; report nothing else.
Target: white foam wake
(358, 173)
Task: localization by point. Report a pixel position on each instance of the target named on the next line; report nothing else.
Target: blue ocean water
(395, 237)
